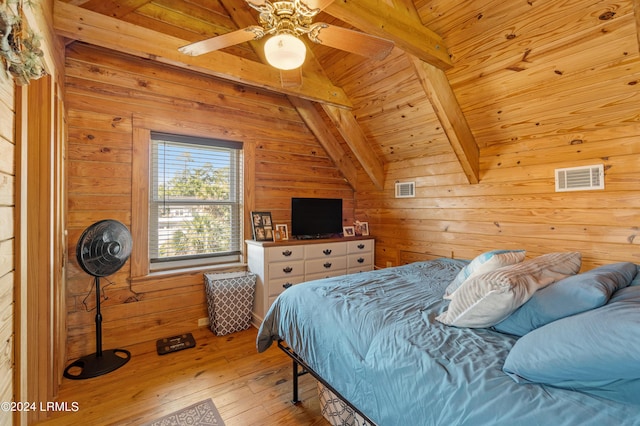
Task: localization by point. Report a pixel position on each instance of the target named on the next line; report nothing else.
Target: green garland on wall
(19, 47)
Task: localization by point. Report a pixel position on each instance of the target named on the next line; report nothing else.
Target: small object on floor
(175, 343)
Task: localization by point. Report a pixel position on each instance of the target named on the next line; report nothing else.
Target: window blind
(196, 198)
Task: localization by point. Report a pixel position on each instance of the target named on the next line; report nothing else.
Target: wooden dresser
(286, 263)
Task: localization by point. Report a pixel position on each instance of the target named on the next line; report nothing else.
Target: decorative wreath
(19, 47)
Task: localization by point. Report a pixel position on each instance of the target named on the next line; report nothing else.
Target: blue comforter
(374, 338)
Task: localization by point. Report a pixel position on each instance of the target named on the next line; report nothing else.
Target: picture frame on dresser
(348, 231)
(362, 228)
(262, 226)
(281, 233)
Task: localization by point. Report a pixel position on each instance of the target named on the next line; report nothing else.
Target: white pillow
(487, 299)
(486, 262)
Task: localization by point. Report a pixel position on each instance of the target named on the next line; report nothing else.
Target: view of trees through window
(195, 209)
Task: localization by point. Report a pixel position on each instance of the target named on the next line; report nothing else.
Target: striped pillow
(485, 262)
(487, 299)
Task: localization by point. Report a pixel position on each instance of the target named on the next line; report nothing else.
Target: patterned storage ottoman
(336, 412)
(230, 299)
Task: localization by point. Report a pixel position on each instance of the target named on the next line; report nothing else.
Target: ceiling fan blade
(222, 41)
(351, 41)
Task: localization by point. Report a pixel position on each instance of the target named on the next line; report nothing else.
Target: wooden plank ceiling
(452, 63)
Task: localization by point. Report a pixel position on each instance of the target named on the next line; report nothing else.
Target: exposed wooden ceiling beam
(113, 8)
(314, 121)
(352, 133)
(429, 55)
(438, 90)
(398, 24)
(80, 24)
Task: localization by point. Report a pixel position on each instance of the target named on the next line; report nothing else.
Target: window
(195, 209)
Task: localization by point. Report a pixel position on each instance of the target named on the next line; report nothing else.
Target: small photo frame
(262, 226)
(348, 231)
(281, 233)
(362, 228)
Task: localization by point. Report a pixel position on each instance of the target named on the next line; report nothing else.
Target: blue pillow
(636, 280)
(596, 352)
(569, 296)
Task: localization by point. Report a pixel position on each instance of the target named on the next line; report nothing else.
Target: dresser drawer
(314, 251)
(277, 286)
(360, 262)
(360, 246)
(325, 265)
(285, 253)
(286, 269)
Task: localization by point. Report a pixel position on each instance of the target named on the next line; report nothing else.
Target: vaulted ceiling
(462, 76)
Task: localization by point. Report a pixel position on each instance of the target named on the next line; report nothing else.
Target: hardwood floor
(248, 388)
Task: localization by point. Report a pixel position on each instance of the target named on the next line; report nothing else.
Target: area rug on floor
(203, 413)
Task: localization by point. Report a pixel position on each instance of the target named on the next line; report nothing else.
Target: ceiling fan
(285, 21)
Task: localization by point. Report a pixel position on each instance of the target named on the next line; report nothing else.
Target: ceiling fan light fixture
(285, 51)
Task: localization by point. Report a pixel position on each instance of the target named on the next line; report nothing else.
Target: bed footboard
(300, 368)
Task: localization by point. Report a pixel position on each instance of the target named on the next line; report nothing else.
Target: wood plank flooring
(248, 388)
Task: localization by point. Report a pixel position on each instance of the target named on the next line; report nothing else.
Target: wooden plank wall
(7, 238)
(105, 94)
(515, 204)
(543, 85)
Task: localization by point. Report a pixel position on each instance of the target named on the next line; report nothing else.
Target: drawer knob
(287, 253)
(327, 265)
(327, 252)
(360, 260)
(287, 270)
(286, 285)
(360, 246)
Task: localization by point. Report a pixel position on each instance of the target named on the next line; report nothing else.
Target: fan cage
(104, 247)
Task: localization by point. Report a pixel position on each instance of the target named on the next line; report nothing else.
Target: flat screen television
(316, 217)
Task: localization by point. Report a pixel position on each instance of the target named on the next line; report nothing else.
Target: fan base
(94, 365)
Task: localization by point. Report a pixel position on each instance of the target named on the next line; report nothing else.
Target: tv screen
(316, 217)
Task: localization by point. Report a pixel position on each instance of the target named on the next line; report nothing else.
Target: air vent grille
(580, 178)
(405, 189)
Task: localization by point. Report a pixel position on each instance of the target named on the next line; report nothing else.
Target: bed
(390, 342)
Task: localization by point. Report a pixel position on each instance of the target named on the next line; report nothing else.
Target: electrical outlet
(389, 264)
(203, 322)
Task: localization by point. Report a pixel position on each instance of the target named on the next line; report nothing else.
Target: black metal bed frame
(299, 362)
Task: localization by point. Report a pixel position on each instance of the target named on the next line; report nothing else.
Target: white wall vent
(405, 189)
(580, 178)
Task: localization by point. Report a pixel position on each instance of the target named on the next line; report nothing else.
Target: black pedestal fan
(103, 248)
